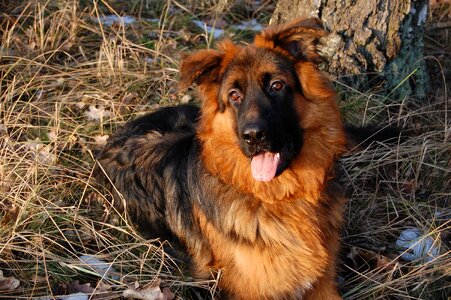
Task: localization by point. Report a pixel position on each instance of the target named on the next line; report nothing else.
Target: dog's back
(146, 162)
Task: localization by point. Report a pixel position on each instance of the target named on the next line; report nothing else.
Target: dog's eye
(277, 85)
(235, 96)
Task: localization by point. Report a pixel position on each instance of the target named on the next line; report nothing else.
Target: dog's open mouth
(264, 166)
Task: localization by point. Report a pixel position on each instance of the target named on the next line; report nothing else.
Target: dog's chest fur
(250, 239)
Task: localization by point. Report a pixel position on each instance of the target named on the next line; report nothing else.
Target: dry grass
(67, 81)
(393, 187)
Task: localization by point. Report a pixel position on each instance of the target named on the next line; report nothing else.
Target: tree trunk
(375, 44)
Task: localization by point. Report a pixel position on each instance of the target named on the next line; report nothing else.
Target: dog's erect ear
(200, 67)
(205, 68)
(299, 38)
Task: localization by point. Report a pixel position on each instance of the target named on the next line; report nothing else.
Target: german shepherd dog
(243, 184)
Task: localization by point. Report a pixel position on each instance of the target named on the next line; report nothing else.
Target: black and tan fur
(185, 172)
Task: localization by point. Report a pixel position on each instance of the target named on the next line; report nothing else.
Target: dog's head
(262, 89)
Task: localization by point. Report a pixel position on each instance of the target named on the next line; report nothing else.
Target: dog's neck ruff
(305, 175)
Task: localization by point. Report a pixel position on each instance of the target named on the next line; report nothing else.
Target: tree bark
(375, 44)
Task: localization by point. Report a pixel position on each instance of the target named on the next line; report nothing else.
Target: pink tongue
(264, 166)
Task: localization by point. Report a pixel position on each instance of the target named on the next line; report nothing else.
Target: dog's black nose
(255, 133)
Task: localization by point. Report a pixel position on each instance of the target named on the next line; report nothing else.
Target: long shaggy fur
(185, 172)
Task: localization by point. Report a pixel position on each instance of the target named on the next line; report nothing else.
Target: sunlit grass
(68, 81)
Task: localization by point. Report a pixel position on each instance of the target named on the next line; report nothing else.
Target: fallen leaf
(96, 114)
(39, 279)
(379, 260)
(10, 214)
(185, 99)
(43, 153)
(129, 97)
(80, 104)
(101, 140)
(83, 235)
(103, 291)
(103, 287)
(8, 283)
(79, 291)
(76, 287)
(216, 22)
(370, 259)
(53, 135)
(149, 292)
(152, 294)
(168, 294)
